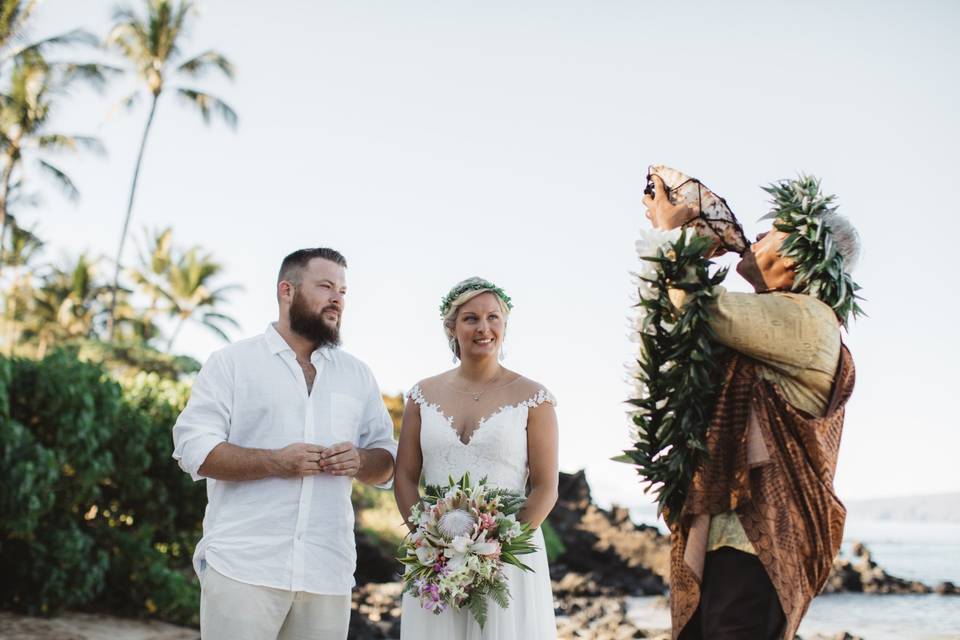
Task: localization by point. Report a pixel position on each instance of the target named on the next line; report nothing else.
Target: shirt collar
(278, 345)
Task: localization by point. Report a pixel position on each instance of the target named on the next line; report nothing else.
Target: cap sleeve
(416, 394)
(537, 399)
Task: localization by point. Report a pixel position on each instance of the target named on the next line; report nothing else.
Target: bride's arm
(542, 452)
(406, 483)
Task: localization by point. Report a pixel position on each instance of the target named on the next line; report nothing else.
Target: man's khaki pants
(232, 610)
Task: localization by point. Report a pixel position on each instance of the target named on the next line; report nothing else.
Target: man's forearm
(229, 462)
(376, 466)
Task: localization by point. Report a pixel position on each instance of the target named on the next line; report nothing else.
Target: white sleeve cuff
(194, 453)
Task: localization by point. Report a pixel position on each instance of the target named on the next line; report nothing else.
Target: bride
(489, 421)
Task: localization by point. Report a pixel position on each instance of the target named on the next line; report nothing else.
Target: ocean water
(925, 551)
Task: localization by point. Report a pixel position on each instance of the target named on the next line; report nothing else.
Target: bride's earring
(502, 354)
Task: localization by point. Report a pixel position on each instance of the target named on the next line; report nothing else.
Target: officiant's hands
(664, 214)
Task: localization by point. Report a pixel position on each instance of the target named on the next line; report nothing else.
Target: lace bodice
(496, 449)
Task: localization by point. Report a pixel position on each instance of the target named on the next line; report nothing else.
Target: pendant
(476, 397)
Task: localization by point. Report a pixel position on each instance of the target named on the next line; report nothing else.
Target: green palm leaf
(62, 180)
(209, 105)
(200, 65)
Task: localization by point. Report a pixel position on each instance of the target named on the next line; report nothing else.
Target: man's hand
(342, 459)
(663, 213)
(297, 460)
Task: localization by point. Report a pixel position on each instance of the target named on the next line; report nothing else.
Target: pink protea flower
(487, 522)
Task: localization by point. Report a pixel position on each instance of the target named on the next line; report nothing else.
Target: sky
(432, 141)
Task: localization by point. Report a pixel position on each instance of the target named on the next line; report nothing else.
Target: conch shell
(715, 220)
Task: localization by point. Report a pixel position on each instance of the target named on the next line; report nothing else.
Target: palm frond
(130, 36)
(178, 25)
(91, 73)
(13, 14)
(65, 142)
(221, 317)
(199, 65)
(209, 105)
(215, 329)
(63, 181)
(40, 47)
(165, 24)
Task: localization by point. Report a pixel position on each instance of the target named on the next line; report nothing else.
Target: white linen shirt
(285, 533)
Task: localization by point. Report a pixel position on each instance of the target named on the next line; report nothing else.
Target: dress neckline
(534, 400)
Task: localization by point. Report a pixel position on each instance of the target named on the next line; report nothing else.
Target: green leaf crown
(473, 284)
(800, 210)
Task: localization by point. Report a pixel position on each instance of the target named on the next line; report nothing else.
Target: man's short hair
(291, 269)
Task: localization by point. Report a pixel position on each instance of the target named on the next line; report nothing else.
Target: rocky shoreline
(607, 560)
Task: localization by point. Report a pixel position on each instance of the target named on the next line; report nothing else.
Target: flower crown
(473, 284)
(799, 210)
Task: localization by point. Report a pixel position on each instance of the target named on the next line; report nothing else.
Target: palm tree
(69, 303)
(25, 113)
(179, 284)
(155, 260)
(13, 17)
(189, 293)
(151, 44)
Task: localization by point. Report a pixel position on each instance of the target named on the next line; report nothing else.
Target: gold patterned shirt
(795, 340)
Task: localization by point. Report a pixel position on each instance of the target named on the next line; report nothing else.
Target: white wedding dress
(496, 449)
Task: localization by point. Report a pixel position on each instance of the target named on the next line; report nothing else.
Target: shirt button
(299, 536)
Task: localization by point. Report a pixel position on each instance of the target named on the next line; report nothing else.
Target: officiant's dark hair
(298, 260)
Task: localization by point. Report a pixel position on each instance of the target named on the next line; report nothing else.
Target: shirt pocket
(345, 414)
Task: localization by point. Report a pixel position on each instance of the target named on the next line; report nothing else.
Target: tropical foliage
(799, 209)
(92, 509)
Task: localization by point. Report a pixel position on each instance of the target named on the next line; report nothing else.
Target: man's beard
(311, 325)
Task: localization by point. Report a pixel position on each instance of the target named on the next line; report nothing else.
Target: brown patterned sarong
(785, 501)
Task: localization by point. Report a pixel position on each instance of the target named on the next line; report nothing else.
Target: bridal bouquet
(465, 533)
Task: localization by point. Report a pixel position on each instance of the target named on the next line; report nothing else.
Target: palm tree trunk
(4, 195)
(176, 332)
(126, 220)
(42, 347)
(11, 314)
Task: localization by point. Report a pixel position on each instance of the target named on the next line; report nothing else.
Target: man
(279, 425)
(761, 525)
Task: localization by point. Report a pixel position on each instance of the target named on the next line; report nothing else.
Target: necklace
(477, 394)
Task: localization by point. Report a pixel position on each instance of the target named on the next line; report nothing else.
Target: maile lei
(678, 366)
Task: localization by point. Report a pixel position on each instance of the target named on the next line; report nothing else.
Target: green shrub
(94, 512)
(552, 542)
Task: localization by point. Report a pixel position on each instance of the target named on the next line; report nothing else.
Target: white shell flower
(426, 555)
(653, 239)
(460, 544)
(456, 523)
(486, 548)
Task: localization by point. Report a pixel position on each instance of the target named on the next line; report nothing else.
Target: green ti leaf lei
(799, 209)
(678, 371)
